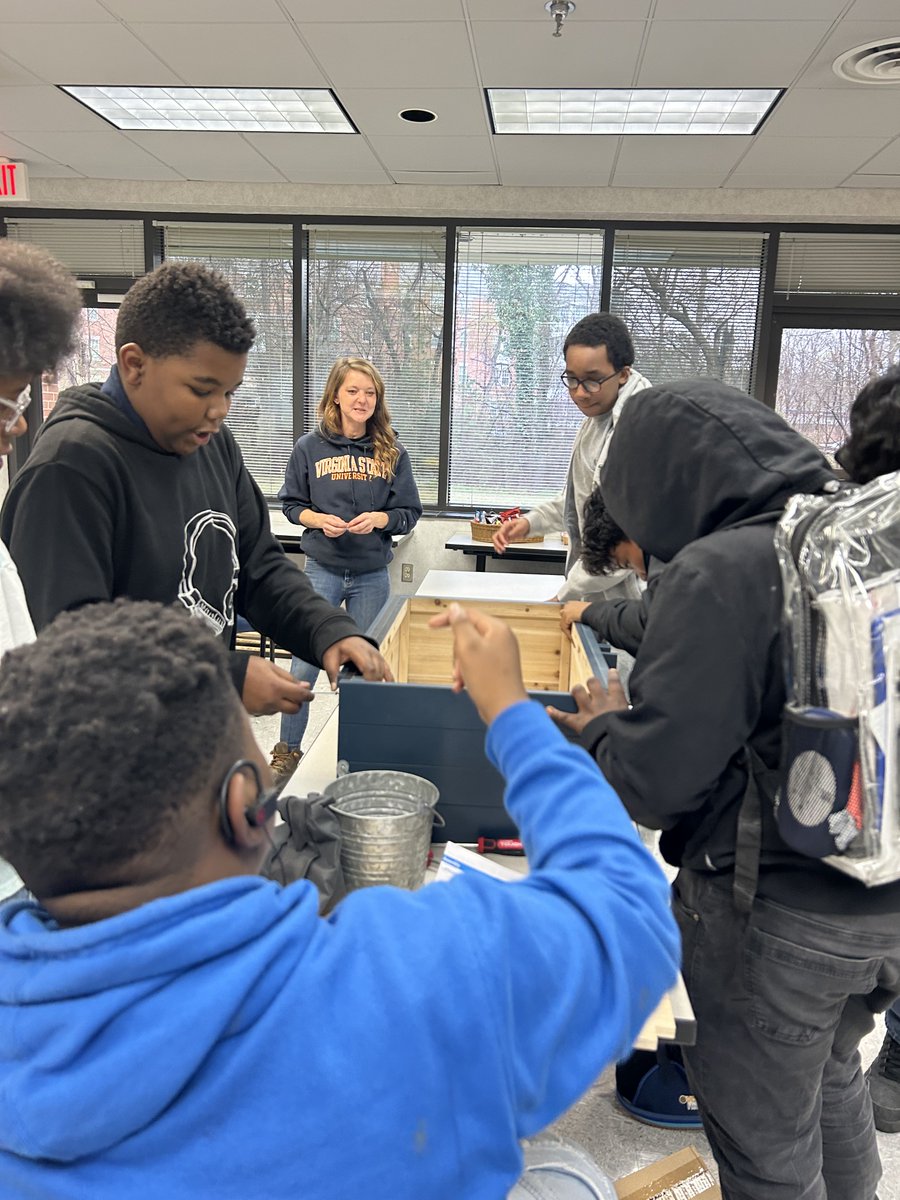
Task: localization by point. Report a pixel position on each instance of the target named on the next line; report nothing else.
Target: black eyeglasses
(591, 386)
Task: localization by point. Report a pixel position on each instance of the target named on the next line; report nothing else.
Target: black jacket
(100, 510)
(698, 474)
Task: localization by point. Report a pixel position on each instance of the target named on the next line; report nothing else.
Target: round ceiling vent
(874, 63)
(417, 116)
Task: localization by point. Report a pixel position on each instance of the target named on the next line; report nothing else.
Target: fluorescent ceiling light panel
(630, 110)
(234, 110)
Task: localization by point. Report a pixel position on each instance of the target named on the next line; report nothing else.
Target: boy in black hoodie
(783, 993)
(137, 488)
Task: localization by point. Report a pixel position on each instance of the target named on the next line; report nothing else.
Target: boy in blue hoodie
(174, 1026)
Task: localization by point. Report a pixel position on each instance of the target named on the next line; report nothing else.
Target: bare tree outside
(820, 373)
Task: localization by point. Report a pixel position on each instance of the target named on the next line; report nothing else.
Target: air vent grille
(875, 63)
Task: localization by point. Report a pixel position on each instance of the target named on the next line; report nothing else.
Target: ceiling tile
(425, 153)
(11, 73)
(223, 157)
(416, 54)
(739, 10)
(836, 112)
(827, 160)
(452, 178)
(876, 9)
(887, 162)
(10, 148)
(53, 10)
(362, 10)
(872, 181)
(44, 108)
(374, 110)
(320, 157)
(105, 155)
(85, 53)
(194, 10)
(604, 54)
(727, 53)
(528, 10)
(533, 160)
(848, 35)
(239, 55)
(658, 160)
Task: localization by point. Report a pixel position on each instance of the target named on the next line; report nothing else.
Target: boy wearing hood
(137, 488)
(601, 379)
(783, 993)
(173, 1026)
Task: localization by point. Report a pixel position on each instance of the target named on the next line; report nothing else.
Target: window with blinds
(257, 260)
(87, 247)
(817, 264)
(512, 424)
(691, 301)
(379, 294)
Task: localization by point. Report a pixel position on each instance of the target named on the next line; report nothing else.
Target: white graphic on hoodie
(200, 552)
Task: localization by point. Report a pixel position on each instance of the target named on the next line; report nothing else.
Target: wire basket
(482, 532)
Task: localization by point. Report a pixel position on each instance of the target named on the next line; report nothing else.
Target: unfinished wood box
(419, 724)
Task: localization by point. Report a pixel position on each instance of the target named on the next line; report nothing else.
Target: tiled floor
(618, 1143)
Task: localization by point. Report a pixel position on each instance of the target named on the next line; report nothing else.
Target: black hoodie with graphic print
(100, 510)
(693, 471)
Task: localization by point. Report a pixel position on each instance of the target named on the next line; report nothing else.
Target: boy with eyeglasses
(39, 305)
(600, 378)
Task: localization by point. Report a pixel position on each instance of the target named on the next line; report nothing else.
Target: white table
(472, 585)
(551, 549)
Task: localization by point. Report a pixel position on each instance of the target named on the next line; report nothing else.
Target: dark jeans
(782, 999)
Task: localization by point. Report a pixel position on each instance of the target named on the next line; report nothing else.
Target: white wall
(469, 202)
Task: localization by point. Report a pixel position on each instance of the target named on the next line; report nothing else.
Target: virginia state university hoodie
(330, 473)
(100, 510)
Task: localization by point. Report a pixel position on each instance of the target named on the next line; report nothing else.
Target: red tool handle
(500, 846)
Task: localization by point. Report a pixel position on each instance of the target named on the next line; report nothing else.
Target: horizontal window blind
(512, 423)
(257, 260)
(379, 294)
(691, 301)
(87, 247)
(811, 264)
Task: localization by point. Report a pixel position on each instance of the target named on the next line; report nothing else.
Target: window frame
(856, 311)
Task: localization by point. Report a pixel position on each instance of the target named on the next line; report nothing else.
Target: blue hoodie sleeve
(403, 507)
(533, 987)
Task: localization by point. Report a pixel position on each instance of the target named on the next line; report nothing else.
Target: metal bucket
(385, 819)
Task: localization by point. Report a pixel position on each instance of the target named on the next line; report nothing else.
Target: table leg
(480, 561)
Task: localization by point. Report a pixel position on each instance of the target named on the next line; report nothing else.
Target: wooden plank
(660, 1024)
(394, 643)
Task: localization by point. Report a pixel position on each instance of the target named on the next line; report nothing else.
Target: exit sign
(13, 181)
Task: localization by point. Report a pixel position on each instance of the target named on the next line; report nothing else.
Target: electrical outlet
(406, 572)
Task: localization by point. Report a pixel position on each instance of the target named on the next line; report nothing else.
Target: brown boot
(284, 763)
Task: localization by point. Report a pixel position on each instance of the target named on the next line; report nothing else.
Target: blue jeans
(560, 1171)
(782, 1000)
(364, 596)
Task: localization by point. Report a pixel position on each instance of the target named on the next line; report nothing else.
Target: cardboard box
(681, 1176)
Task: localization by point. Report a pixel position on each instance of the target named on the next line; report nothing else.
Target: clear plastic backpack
(839, 794)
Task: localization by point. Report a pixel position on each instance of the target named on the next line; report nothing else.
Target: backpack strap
(748, 843)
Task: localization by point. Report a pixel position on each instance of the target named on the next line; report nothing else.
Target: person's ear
(242, 794)
(623, 375)
(131, 361)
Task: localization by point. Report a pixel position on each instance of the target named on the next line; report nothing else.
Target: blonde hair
(378, 426)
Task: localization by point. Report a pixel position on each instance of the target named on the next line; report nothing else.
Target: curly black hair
(180, 304)
(603, 329)
(39, 305)
(600, 537)
(114, 723)
(873, 447)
